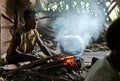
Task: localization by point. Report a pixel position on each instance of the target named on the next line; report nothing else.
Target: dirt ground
(98, 50)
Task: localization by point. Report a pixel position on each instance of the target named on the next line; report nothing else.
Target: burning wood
(67, 62)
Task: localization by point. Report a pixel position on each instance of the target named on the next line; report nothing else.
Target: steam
(85, 25)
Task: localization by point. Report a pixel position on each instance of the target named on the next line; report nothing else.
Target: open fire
(69, 60)
(51, 62)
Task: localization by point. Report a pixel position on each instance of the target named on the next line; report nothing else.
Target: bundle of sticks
(48, 63)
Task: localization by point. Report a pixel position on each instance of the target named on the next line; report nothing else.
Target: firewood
(30, 65)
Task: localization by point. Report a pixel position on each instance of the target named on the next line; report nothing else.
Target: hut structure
(10, 12)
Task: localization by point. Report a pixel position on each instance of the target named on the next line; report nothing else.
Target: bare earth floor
(87, 56)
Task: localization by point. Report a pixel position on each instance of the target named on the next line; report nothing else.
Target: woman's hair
(29, 14)
(113, 34)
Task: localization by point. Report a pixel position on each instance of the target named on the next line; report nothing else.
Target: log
(30, 65)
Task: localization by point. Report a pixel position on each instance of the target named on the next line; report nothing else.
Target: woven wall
(6, 25)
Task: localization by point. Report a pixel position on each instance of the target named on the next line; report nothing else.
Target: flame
(69, 60)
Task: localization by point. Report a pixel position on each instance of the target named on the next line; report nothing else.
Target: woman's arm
(43, 47)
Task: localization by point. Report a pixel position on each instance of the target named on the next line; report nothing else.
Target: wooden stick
(51, 67)
(33, 64)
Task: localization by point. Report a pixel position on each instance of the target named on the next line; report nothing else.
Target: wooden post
(17, 15)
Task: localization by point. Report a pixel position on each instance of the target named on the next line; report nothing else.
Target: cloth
(25, 40)
(28, 40)
(103, 71)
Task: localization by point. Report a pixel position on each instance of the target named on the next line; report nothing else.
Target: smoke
(85, 25)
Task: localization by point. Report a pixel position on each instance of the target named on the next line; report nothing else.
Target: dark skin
(31, 27)
(113, 43)
(14, 55)
(114, 57)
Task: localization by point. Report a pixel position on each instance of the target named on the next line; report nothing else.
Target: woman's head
(113, 35)
(30, 18)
